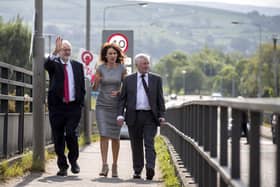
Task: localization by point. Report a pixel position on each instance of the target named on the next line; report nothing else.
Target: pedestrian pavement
(90, 164)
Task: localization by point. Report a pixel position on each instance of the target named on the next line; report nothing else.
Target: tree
(210, 62)
(15, 40)
(268, 69)
(194, 78)
(248, 79)
(211, 70)
(226, 80)
(167, 65)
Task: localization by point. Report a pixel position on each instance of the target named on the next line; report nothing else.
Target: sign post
(124, 39)
(88, 60)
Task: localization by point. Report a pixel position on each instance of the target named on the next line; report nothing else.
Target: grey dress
(106, 105)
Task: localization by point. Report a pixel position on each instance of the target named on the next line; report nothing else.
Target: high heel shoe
(104, 171)
(114, 170)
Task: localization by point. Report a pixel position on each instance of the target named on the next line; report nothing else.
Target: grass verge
(23, 165)
(19, 167)
(165, 163)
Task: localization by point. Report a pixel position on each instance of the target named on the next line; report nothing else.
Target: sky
(262, 3)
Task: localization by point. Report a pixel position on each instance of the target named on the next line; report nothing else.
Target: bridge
(196, 134)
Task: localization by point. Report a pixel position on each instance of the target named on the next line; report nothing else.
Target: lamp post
(38, 92)
(275, 62)
(117, 6)
(184, 80)
(259, 81)
(88, 18)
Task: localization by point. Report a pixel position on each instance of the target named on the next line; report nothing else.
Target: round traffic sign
(86, 57)
(119, 39)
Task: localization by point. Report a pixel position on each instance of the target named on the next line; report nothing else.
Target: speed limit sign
(122, 38)
(119, 39)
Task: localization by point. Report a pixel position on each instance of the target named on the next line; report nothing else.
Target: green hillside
(158, 28)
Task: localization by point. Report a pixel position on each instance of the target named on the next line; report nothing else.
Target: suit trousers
(64, 120)
(144, 129)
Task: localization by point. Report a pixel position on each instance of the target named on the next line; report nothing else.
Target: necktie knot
(144, 83)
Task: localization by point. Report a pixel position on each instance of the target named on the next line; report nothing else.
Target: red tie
(66, 85)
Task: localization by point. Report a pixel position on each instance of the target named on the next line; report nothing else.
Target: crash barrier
(198, 131)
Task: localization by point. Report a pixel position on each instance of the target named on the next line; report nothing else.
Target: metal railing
(198, 131)
(16, 121)
(16, 124)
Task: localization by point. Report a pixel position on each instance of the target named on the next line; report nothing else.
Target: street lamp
(260, 53)
(117, 6)
(275, 62)
(184, 80)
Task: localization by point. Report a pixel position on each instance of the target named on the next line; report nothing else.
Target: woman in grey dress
(108, 80)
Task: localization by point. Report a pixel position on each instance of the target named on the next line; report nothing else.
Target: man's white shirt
(142, 101)
(70, 76)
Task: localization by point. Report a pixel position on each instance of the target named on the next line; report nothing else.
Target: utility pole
(38, 91)
(184, 81)
(87, 106)
(259, 76)
(88, 6)
(275, 62)
(232, 87)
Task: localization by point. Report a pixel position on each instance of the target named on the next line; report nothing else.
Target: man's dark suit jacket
(56, 74)
(127, 99)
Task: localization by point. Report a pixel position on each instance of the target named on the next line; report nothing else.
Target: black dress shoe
(137, 176)
(62, 172)
(75, 168)
(150, 173)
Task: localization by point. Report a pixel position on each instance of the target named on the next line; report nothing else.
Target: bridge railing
(198, 131)
(16, 124)
(16, 120)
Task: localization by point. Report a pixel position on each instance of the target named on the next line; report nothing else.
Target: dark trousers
(144, 130)
(64, 121)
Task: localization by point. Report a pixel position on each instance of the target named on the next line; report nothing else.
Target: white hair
(67, 42)
(141, 55)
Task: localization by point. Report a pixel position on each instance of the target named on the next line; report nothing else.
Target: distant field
(158, 28)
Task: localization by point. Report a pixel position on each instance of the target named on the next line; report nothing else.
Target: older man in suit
(142, 100)
(65, 101)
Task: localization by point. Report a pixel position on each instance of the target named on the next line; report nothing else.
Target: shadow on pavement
(143, 181)
(118, 180)
(29, 178)
(55, 178)
(108, 180)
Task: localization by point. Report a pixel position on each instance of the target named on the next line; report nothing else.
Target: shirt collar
(68, 62)
(139, 74)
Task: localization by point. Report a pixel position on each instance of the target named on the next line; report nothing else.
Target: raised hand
(58, 45)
